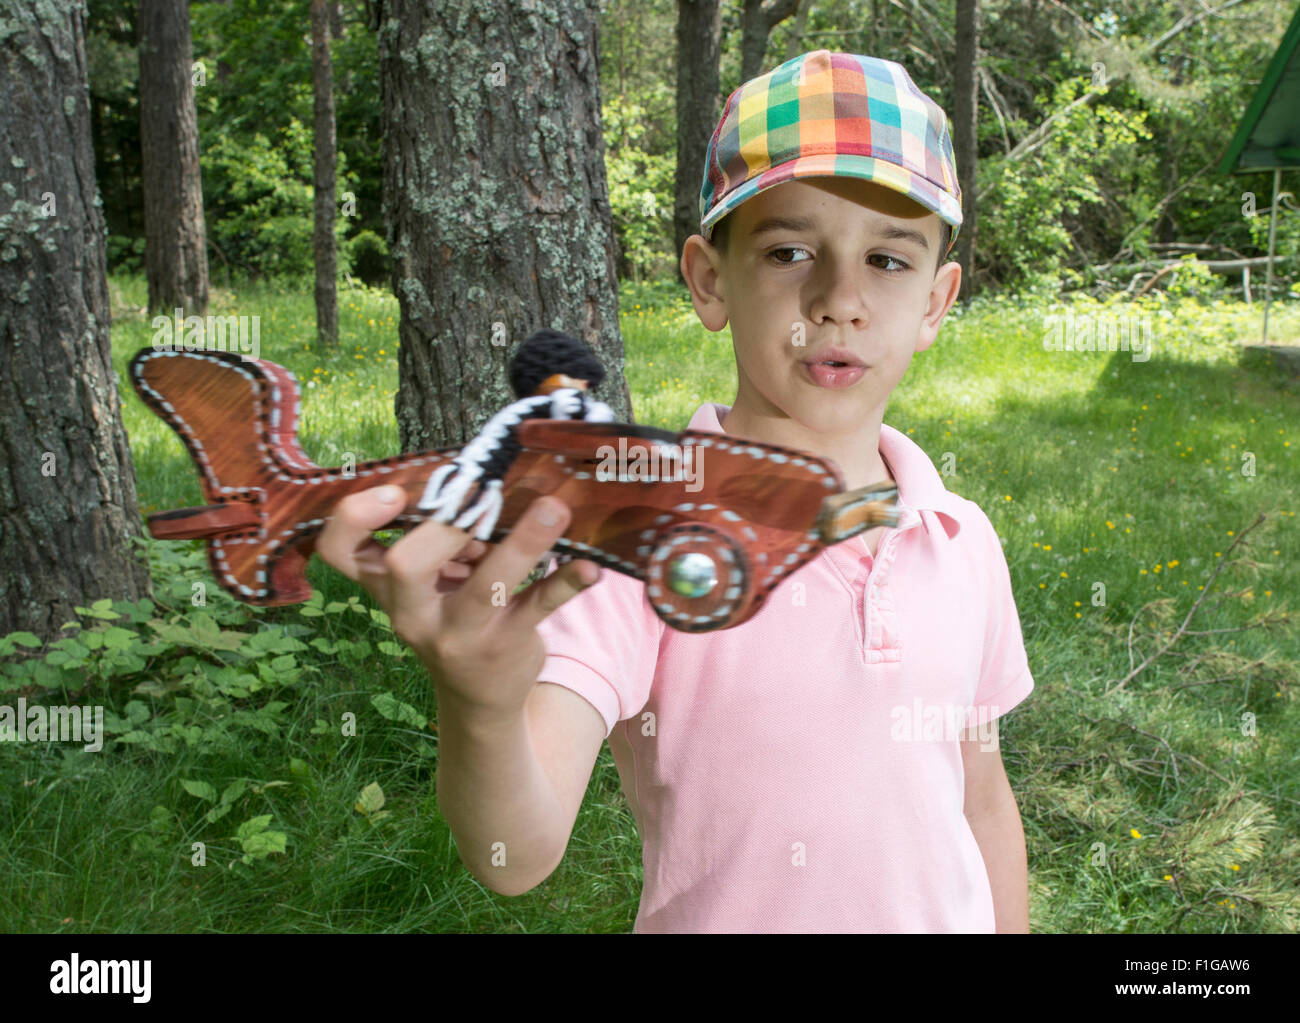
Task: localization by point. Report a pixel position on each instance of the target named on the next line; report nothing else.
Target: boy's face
(835, 263)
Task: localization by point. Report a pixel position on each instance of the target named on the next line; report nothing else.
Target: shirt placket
(881, 641)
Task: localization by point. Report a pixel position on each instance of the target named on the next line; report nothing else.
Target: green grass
(1094, 469)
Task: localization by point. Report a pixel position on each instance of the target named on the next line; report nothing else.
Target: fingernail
(390, 494)
(546, 515)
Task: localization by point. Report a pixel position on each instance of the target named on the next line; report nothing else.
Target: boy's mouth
(836, 358)
(833, 374)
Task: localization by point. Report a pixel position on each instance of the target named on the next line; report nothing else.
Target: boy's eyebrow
(782, 224)
(906, 234)
(892, 232)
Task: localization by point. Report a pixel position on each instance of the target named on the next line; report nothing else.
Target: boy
(832, 763)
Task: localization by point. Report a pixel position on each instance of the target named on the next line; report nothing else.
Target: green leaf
(200, 790)
(394, 709)
(234, 790)
(99, 609)
(23, 639)
(216, 813)
(391, 649)
(298, 767)
(371, 799)
(264, 843)
(252, 827)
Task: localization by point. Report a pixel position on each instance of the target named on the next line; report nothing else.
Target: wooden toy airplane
(711, 537)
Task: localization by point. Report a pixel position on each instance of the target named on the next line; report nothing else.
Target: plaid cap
(831, 114)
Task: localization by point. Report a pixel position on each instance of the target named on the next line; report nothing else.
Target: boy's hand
(457, 612)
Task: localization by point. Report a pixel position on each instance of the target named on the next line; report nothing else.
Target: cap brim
(922, 191)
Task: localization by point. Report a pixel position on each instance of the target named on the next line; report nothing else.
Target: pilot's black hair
(547, 352)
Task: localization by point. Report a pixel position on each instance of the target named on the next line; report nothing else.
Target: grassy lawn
(1170, 803)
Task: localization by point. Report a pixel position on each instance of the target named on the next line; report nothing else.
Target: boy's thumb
(372, 508)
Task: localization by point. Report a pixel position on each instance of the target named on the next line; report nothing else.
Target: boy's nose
(839, 296)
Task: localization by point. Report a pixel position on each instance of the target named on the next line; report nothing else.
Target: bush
(258, 200)
(367, 259)
(125, 255)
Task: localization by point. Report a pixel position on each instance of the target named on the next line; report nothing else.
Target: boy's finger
(548, 594)
(414, 562)
(499, 574)
(346, 541)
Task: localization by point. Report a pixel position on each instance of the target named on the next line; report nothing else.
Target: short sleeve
(604, 644)
(1005, 678)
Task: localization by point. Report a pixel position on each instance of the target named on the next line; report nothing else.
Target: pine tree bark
(965, 122)
(322, 73)
(496, 202)
(67, 484)
(699, 35)
(176, 256)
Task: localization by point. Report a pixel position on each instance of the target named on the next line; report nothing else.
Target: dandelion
(1135, 833)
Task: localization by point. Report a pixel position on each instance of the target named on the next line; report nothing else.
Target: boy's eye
(776, 254)
(899, 267)
(786, 256)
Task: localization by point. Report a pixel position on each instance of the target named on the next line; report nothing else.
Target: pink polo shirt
(802, 771)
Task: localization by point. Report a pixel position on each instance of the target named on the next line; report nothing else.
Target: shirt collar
(921, 494)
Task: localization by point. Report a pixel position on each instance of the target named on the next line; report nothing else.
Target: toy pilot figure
(550, 374)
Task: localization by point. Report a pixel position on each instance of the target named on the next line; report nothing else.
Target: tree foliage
(1127, 175)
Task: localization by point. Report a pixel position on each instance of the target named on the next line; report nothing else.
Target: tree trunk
(496, 202)
(757, 19)
(176, 258)
(699, 33)
(965, 120)
(67, 485)
(322, 80)
(794, 44)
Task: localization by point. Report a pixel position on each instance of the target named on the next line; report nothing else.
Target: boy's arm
(510, 789)
(990, 809)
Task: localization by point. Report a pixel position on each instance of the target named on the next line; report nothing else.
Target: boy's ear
(943, 293)
(702, 270)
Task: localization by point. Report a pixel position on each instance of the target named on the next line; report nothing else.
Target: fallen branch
(1173, 753)
(1190, 614)
(1218, 266)
(1220, 678)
